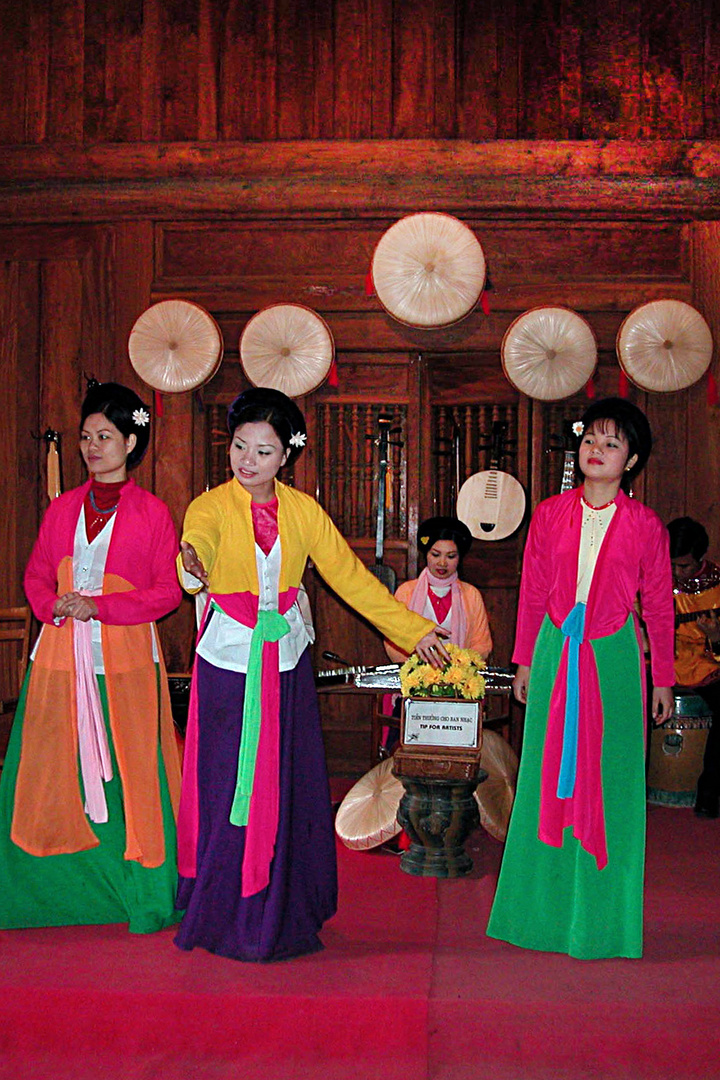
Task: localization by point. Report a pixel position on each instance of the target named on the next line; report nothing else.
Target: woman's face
(443, 558)
(256, 455)
(105, 449)
(603, 453)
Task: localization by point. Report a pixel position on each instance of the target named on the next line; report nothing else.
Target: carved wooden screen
(347, 467)
(463, 446)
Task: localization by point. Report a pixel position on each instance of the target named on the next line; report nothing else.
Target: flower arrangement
(462, 677)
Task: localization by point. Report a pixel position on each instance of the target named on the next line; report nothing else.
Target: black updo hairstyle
(260, 403)
(687, 537)
(444, 528)
(124, 409)
(630, 422)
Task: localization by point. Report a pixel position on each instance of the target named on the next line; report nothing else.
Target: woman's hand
(432, 650)
(710, 626)
(520, 683)
(75, 606)
(192, 563)
(663, 704)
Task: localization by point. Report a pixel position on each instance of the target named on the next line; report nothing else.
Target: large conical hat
(495, 796)
(287, 347)
(367, 816)
(428, 270)
(664, 346)
(549, 353)
(175, 345)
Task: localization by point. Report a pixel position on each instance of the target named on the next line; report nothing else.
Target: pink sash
(264, 803)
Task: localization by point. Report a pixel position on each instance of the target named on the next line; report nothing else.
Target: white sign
(438, 722)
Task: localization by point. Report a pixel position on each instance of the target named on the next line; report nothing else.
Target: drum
(367, 816)
(676, 753)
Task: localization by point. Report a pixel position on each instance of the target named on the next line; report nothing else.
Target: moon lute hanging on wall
(492, 502)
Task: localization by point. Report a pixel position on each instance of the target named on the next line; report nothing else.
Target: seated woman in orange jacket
(440, 595)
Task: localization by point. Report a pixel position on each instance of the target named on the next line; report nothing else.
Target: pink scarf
(95, 762)
(418, 601)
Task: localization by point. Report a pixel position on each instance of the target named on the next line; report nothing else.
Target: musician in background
(696, 588)
(439, 594)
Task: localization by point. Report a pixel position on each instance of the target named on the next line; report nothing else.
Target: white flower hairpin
(298, 439)
(578, 428)
(141, 418)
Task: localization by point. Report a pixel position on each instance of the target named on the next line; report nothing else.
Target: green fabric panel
(87, 887)
(555, 899)
(270, 626)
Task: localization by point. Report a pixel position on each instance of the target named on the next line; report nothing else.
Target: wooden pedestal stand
(438, 810)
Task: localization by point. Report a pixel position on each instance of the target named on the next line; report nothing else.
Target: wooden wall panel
(66, 72)
(182, 70)
(113, 71)
(672, 67)
(247, 87)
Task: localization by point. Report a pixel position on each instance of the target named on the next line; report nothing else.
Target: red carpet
(408, 987)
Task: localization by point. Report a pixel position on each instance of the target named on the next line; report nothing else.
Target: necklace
(603, 507)
(97, 509)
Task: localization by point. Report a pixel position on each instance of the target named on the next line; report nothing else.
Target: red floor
(408, 987)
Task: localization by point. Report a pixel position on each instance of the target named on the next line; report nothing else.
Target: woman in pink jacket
(91, 781)
(572, 874)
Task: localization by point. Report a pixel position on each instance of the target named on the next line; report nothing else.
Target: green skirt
(87, 887)
(556, 899)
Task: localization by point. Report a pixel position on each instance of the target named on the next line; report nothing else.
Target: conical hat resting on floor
(368, 814)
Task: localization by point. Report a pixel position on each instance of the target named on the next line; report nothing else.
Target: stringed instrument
(386, 677)
(492, 502)
(383, 573)
(54, 486)
(569, 444)
(692, 616)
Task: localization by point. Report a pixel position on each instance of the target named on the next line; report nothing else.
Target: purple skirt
(283, 919)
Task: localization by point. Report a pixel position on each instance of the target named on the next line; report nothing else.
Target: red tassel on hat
(369, 283)
(623, 384)
(158, 404)
(590, 388)
(404, 841)
(712, 390)
(332, 379)
(484, 302)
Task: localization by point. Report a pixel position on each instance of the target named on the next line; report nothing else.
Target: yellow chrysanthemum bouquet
(461, 678)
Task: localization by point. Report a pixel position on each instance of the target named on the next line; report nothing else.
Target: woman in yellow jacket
(255, 832)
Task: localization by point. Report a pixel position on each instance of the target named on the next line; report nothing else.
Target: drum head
(175, 346)
(428, 270)
(287, 347)
(549, 353)
(664, 346)
(368, 814)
